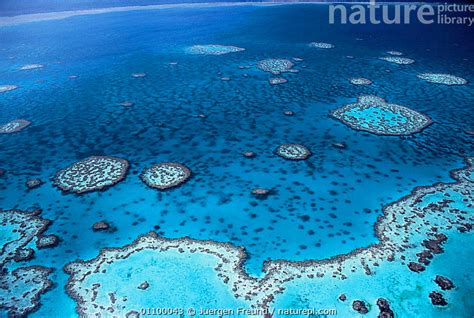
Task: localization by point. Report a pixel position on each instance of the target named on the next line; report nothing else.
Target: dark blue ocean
(18, 7)
(319, 208)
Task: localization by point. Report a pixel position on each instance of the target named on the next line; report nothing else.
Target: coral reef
(444, 282)
(92, 174)
(277, 80)
(445, 79)
(293, 152)
(373, 114)
(394, 53)
(360, 81)
(261, 193)
(339, 145)
(127, 104)
(101, 226)
(213, 49)
(321, 45)
(47, 241)
(28, 67)
(438, 299)
(14, 126)
(398, 60)
(275, 66)
(21, 289)
(360, 307)
(7, 88)
(165, 175)
(33, 183)
(249, 154)
(19, 229)
(92, 290)
(24, 254)
(384, 308)
(427, 212)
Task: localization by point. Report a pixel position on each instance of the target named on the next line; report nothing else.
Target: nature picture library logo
(399, 13)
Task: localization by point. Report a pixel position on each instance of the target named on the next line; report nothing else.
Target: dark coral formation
(360, 307)
(33, 183)
(434, 245)
(24, 254)
(415, 267)
(437, 299)
(249, 154)
(101, 226)
(444, 282)
(144, 285)
(261, 193)
(384, 308)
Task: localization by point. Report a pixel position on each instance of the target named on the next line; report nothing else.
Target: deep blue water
(17, 7)
(10, 8)
(321, 207)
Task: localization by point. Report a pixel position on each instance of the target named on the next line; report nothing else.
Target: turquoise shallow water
(319, 208)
